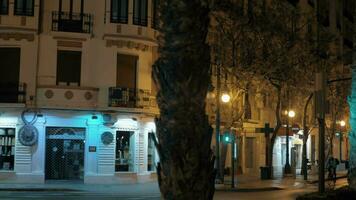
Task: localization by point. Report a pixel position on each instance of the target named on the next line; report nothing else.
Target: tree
(265, 43)
(352, 105)
(186, 168)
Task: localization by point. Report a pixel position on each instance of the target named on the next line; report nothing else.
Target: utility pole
(232, 159)
(217, 123)
(287, 168)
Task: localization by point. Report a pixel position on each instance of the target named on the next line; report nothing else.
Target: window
(4, 7)
(68, 67)
(151, 152)
(124, 161)
(7, 148)
(24, 7)
(11, 90)
(155, 18)
(119, 11)
(126, 71)
(140, 12)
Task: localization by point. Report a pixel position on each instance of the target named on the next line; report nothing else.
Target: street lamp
(342, 124)
(225, 98)
(289, 114)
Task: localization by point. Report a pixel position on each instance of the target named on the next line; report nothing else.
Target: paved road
(285, 194)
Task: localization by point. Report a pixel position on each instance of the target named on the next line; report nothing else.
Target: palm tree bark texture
(352, 134)
(186, 168)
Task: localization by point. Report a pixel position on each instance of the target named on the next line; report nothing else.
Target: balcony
(68, 97)
(131, 98)
(12, 93)
(72, 22)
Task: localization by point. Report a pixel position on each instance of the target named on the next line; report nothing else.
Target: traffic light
(227, 137)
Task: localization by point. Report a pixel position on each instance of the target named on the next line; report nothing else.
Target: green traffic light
(227, 138)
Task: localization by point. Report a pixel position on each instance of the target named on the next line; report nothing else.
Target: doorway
(64, 153)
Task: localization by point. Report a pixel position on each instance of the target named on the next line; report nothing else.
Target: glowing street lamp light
(225, 98)
(291, 114)
(342, 123)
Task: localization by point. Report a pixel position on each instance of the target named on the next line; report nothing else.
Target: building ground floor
(82, 146)
(250, 151)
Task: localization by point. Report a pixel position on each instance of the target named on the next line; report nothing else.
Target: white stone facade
(81, 105)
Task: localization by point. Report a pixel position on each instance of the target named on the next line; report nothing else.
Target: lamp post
(225, 98)
(342, 124)
(217, 123)
(287, 167)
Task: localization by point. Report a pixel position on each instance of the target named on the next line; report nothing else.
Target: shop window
(151, 152)
(119, 11)
(4, 7)
(68, 67)
(140, 12)
(24, 7)
(7, 148)
(125, 141)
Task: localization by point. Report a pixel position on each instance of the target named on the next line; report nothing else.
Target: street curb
(39, 190)
(249, 189)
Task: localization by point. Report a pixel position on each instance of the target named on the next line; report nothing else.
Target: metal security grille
(65, 153)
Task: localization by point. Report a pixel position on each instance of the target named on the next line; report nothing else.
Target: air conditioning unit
(108, 119)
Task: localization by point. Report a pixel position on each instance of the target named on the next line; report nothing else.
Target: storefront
(76, 146)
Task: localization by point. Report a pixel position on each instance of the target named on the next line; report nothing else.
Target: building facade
(77, 101)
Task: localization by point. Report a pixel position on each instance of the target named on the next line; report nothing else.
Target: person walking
(332, 165)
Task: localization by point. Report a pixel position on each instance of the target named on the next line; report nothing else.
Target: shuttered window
(140, 12)
(119, 11)
(68, 67)
(24, 7)
(4, 7)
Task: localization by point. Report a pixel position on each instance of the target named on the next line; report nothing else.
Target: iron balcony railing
(72, 22)
(12, 93)
(130, 98)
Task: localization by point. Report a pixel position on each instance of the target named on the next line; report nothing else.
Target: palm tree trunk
(186, 168)
(352, 134)
(352, 121)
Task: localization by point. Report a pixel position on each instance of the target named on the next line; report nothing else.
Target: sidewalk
(243, 183)
(248, 183)
(122, 189)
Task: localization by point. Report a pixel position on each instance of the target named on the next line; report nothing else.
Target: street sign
(266, 130)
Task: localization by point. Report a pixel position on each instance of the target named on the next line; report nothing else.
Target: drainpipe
(39, 31)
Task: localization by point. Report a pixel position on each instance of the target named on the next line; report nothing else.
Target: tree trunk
(352, 121)
(305, 139)
(278, 125)
(352, 134)
(186, 168)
